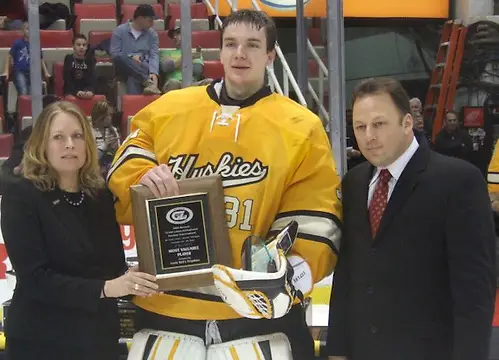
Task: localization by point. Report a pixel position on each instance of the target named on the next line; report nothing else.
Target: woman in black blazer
(65, 246)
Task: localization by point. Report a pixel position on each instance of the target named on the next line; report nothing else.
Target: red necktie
(379, 200)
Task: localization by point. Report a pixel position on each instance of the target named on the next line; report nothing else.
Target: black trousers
(293, 325)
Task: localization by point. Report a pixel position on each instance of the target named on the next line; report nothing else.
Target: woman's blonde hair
(99, 112)
(36, 166)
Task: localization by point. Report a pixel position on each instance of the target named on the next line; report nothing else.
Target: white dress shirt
(396, 168)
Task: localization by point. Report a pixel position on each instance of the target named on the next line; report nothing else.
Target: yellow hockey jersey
(276, 164)
(493, 172)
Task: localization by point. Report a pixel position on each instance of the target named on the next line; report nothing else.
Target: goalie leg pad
(154, 344)
(265, 347)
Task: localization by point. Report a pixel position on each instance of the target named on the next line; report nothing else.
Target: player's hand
(136, 58)
(160, 181)
(132, 282)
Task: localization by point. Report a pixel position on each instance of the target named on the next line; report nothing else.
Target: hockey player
(277, 166)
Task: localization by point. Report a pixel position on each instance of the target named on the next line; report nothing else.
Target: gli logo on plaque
(179, 215)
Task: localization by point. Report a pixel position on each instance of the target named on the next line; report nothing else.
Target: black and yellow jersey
(276, 164)
(493, 172)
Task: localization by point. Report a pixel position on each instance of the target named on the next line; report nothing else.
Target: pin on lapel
(55, 202)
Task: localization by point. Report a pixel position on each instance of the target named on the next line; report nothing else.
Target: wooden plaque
(180, 238)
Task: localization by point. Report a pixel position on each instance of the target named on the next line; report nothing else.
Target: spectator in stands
(135, 52)
(419, 131)
(19, 58)
(416, 106)
(65, 246)
(12, 14)
(171, 64)
(105, 134)
(79, 69)
(452, 140)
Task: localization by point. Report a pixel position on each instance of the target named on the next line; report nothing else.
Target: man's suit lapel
(405, 185)
(363, 183)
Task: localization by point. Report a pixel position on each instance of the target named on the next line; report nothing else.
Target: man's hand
(80, 94)
(136, 58)
(337, 358)
(160, 181)
(153, 78)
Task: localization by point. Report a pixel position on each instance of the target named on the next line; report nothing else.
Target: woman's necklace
(76, 203)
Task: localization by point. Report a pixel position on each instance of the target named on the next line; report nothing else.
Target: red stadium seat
(198, 11)
(86, 104)
(164, 41)
(213, 69)
(93, 11)
(132, 104)
(127, 11)
(7, 38)
(23, 106)
(6, 143)
(206, 39)
(2, 116)
(58, 79)
(56, 38)
(96, 37)
(315, 36)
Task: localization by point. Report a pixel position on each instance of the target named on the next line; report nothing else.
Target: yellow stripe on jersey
(233, 353)
(257, 352)
(174, 349)
(131, 152)
(155, 349)
(493, 172)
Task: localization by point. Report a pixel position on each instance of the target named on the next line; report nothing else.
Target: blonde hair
(36, 166)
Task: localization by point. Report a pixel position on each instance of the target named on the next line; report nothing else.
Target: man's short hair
(255, 18)
(144, 10)
(79, 36)
(384, 85)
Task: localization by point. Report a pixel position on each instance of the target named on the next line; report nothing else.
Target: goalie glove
(261, 295)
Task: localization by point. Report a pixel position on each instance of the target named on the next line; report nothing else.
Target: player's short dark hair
(79, 36)
(255, 18)
(384, 85)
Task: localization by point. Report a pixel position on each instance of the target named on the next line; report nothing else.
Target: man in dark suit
(416, 273)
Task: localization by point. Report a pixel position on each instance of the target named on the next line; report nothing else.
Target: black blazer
(61, 260)
(424, 287)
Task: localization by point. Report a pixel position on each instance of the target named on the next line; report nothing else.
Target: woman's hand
(132, 282)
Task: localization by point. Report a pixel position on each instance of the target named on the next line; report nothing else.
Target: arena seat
(213, 69)
(132, 104)
(85, 104)
(58, 79)
(198, 11)
(96, 17)
(6, 143)
(206, 39)
(96, 37)
(164, 41)
(56, 38)
(7, 37)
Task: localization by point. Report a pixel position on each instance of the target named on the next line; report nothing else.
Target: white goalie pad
(155, 344)
(261, 294)
(266, 347)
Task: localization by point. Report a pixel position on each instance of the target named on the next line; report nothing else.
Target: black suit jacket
(424, 287)
(61, 261)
